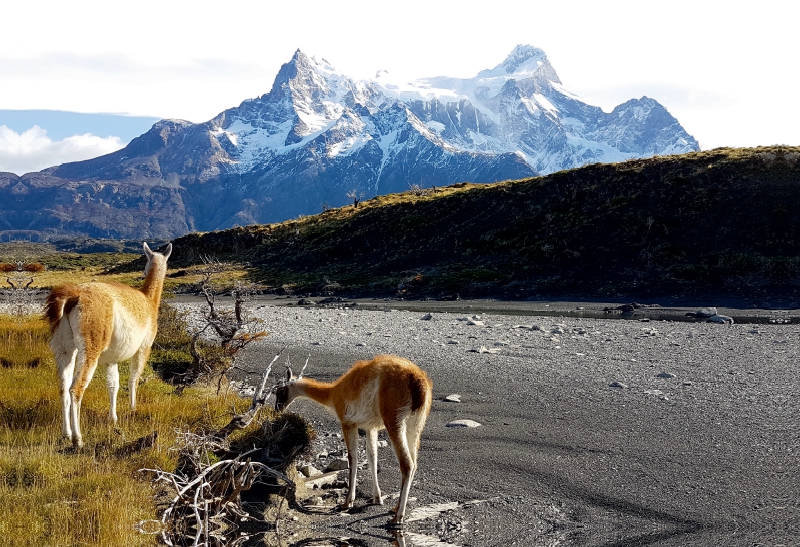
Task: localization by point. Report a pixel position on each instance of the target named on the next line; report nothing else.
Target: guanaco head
(284, 395)
(153, 257)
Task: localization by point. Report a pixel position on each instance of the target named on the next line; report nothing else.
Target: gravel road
(593, 431)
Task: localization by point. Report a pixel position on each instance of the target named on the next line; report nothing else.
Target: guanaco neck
(154, 283)
(319, 392)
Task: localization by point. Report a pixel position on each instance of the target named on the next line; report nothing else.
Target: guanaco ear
(289, 375)
(168, 251)
(147, 251)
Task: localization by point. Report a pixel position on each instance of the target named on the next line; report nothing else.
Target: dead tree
(232, 327)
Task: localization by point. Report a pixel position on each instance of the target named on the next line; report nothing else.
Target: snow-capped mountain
(319, 135)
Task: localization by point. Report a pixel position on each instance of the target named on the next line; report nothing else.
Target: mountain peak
(524, 60)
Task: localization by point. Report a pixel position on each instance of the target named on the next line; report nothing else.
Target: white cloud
(33, 150)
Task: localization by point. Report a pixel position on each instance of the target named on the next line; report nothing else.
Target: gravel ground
(696, 444)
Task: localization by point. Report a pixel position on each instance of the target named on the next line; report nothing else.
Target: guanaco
(387, 392)
(105, 323)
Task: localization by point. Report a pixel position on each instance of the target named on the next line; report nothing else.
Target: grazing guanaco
(387, 392)
(105, 323)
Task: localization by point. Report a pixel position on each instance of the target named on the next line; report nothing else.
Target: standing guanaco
(387, 392)
(106, 323)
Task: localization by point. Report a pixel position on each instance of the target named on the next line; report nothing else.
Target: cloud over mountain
(33, 150)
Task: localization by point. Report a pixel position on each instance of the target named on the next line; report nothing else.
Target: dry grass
(55, 496)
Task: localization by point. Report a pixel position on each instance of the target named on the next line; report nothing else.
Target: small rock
(475, 323)
(706, 312)
(453, 342)
(322, 480)
(463, 423)
(665, 375)
(314, 500)
(453, 398)
(618, 384)
(722, 319)
(337, 465)
(360, 344)
(653, 392)
(484, 349)
(382, 444)
(687, 383)
(310, 471)
(426, 317)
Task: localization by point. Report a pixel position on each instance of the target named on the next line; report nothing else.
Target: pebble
(322, 480)
(722, 319)
(337, 465)
(665, 375)
(463, 423)
(310, 471)
(618, 384)
(453, 398)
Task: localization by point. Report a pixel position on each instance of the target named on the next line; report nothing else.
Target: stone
(475, 323)
(453, 398)
(484, 349)
(426, 317)
(337, 465)
(721, 319)
(706, 312)
(310, 471)
(463, 423)
(314, 500)
(618, 385)
(665, 375)
(322, 480)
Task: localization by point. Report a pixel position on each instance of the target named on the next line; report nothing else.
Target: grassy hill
(724, 222)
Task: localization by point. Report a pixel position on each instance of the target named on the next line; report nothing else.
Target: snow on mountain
(518, 107)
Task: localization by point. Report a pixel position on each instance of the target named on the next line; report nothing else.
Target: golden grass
(51, 278)
(55, 496)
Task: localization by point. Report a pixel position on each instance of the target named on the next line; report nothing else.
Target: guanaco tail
(94, 323)
(387, 392)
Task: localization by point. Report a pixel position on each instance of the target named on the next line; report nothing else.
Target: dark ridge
(720, 222)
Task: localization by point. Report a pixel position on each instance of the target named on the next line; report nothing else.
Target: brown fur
(60, 302)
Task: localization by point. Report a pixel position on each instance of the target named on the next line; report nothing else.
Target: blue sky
(726, 71)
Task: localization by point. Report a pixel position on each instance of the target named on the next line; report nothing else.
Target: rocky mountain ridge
(320, 139)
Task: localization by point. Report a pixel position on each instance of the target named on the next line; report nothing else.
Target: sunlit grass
(53, 495)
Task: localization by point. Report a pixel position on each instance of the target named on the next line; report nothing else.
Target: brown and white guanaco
(387, 392)
(94, 323)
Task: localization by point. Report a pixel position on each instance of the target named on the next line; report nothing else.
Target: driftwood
(206, 509)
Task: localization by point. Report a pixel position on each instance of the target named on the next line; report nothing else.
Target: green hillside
(721, 222)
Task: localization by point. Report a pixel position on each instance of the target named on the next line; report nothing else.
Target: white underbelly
(365, 411)
(127, 336)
